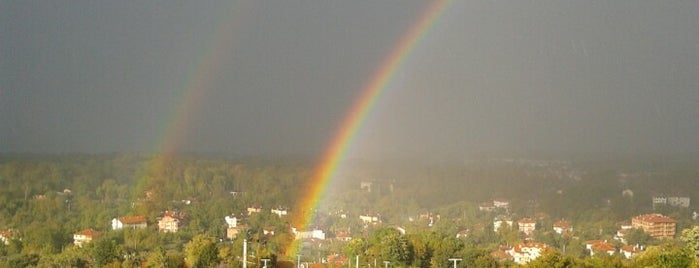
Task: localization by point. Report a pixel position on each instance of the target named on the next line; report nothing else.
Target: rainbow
(192, 94)
(354, 119)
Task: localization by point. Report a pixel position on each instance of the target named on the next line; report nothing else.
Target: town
(207, 212)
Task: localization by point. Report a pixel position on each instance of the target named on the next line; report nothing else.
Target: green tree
(690, 237)
(638, 237)
(663, 256)
(202, 251)
(397, 249)
(103, 251)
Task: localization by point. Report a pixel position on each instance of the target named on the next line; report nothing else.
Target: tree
(157, 258)
(103, 251)
(397, 249)
(637, 236)
(665, 255)
(691, 239)
(202, 251)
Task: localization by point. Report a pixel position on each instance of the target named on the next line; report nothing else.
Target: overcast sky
(277, 77)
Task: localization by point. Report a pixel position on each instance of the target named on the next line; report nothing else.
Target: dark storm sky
(488, 77)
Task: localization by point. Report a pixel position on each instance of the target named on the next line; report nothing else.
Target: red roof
(603, 246)
(561, 224)
(526, 220)
(655, 218)
(89, 233)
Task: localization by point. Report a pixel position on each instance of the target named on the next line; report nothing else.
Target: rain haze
(279, 77)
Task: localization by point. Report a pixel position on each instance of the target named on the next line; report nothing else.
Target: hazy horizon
(276, 78)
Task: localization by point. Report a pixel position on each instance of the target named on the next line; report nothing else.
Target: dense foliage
(44, 200)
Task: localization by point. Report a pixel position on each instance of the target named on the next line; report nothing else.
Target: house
(269, 230)
(369, 219)
(463, 233)
(252, 210)
(84, 237)
(365, 185)
(486, 206)
(231, 221)
(169, 224)
(629, 251)
(313, 234)
(562, 226)
(501, 220)
(673, 201)
(344, 236)
(501, 203)
(7, 235)
(526, 252)
(279, 211)
(600, 246)
(232, 232)
(526, 226)
(621, 235)
(133, 222)
(501, 254)
(656, 225)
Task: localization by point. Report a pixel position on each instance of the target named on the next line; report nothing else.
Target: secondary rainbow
(357, 114)
(196, 83)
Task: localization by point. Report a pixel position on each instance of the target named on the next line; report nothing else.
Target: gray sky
(489, 77)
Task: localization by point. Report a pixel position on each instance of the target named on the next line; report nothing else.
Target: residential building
(655, 225)
(526, 226)
(600, 246)
(84, 237)
(562, 226)
(369, 219)
(500, 221)
(315, 234)
(7, 235)
(629, 251)
(501, 203)
(132, 222)
(279, 211)
(344, 236)
(169, 224)
(526, 252)
(252, 210)
(232, 221)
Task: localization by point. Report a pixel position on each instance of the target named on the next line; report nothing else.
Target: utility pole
(245, 253)
(385, 264)
(455, 260)
(298, 260)
(265, 261)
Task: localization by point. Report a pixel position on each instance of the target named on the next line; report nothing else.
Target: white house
(315, 233)
(84, 237)
(133, 222)
(279, 211)
(526, 252)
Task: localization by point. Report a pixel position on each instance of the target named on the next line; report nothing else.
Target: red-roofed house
(599, 246)
(6, 236)
(527, 226)
(562, 226)
(526, 252)
(84, 236)
(629, 251)
(655, 225)
(133, 222)
(344, 236)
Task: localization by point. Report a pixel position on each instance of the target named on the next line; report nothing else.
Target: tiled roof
(655, 218)
(89, 233)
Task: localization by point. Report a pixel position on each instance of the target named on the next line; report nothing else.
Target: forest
(427, 214)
